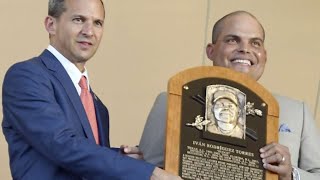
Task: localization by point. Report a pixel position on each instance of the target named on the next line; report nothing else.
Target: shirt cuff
(295, 174)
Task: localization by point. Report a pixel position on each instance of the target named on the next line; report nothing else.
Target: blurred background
(147, 41)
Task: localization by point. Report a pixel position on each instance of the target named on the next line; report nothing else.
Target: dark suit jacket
(47, 130)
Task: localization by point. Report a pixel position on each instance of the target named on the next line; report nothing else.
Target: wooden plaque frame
(175, 86)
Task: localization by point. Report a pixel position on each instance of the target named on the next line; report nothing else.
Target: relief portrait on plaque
(225, 109)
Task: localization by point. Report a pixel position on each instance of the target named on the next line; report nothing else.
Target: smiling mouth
(85, 43)
(245, 62)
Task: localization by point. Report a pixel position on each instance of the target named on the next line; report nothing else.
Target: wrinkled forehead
(242, 25)
(94, 8)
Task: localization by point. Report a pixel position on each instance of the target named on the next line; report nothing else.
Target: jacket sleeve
(309, 160)
(153, 137)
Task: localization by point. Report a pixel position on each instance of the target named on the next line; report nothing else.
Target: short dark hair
(57, 7)
(219, 24)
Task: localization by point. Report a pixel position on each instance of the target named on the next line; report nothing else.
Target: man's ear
(210, 51)
(50, 25)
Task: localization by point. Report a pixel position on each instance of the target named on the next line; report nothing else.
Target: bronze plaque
(222, 126)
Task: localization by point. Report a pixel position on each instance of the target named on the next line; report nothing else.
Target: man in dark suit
(55, 126)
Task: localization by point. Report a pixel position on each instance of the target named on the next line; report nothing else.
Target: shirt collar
(73, 72)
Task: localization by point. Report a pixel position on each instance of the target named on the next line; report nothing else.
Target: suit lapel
(60, 73)
(102, 121)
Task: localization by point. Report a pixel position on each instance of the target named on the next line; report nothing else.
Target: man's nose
(244, 47)
(87, 29)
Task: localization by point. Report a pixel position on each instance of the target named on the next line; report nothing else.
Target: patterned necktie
(88, 105)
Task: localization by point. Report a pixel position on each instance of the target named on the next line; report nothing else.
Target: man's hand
(276, 158)
(159, 174)
(133, 152)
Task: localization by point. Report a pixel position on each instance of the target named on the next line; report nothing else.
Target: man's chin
(84, 57)
(242, 68)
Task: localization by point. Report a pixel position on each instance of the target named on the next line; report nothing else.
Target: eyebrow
(78, 15)
(238, 37)
(257, 38)
(86, 18)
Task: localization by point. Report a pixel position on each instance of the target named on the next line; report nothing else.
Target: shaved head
(218, 26)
